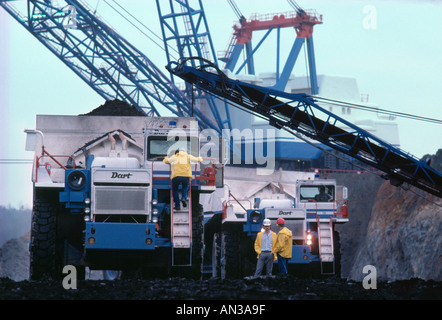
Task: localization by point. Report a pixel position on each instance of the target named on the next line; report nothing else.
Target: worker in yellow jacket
(181, 175)
(283, 246)
(264, 243)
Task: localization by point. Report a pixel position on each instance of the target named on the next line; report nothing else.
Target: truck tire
(230, 254)
(197, 241)
(216, 255)
(337, 253)
(43, 258)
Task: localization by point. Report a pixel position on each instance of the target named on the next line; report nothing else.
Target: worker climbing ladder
(325, 242)
(181, 229)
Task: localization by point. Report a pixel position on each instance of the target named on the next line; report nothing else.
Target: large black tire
(230, 254)
(337, 253)
(197, 241)
(43, 257)
(216, 255)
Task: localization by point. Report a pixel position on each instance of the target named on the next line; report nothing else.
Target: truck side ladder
(325, 242)
(181, 232)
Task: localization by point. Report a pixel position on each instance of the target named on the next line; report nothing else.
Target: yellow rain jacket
(284, 243)
(181, 164)
(258, 243)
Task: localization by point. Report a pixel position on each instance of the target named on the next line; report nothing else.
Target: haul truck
(312, 215)
(102, 195)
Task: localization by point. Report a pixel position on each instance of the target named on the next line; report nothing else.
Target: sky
(392, 48)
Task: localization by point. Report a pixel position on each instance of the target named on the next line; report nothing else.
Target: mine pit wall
(394, 230)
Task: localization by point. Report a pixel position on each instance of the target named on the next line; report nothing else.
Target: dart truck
(102, 195)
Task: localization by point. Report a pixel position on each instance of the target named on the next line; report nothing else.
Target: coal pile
(279, 287)
(116, 108)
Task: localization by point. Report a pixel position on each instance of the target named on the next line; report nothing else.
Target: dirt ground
(278, 287)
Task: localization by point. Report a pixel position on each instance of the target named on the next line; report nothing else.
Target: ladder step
(181, 235)
(181, 220)
(326, 248)
(326, 251)
(325, 233)
(181, 245)
(327, 258)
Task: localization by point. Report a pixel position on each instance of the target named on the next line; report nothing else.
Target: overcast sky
(392, 48)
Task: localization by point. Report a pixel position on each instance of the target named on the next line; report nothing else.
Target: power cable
(377, 110)
(16, 161)
(133, 24)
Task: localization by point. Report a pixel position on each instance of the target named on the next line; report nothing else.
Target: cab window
(322, 193)
(160, 146)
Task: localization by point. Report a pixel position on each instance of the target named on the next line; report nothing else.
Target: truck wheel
(197, 240)
(230, 254)
(216, 255)
(43, 240)
(337, 253)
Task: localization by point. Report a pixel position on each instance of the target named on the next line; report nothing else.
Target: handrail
(55, 160)
(332, 240)
(45, 153)
(153, 160)
(316, 204)
(210, 171)
(238, 201)
(336, 207)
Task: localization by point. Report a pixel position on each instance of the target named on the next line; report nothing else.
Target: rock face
(14, 259)
(399, 232)
(403, 238)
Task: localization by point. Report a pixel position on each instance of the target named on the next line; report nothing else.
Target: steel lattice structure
(102, 58)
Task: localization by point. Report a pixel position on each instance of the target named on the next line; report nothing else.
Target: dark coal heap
(278, 287)
(116, 108)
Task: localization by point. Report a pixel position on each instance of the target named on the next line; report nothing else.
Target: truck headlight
(255, 216)
(76, 180)
(309, 239)
(155, 211)
(154, 202)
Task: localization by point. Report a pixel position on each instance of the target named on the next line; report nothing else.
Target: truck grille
(296, 226)
(119, 200)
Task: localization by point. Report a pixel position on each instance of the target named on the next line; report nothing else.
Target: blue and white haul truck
(102, 195)
(312, 215)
